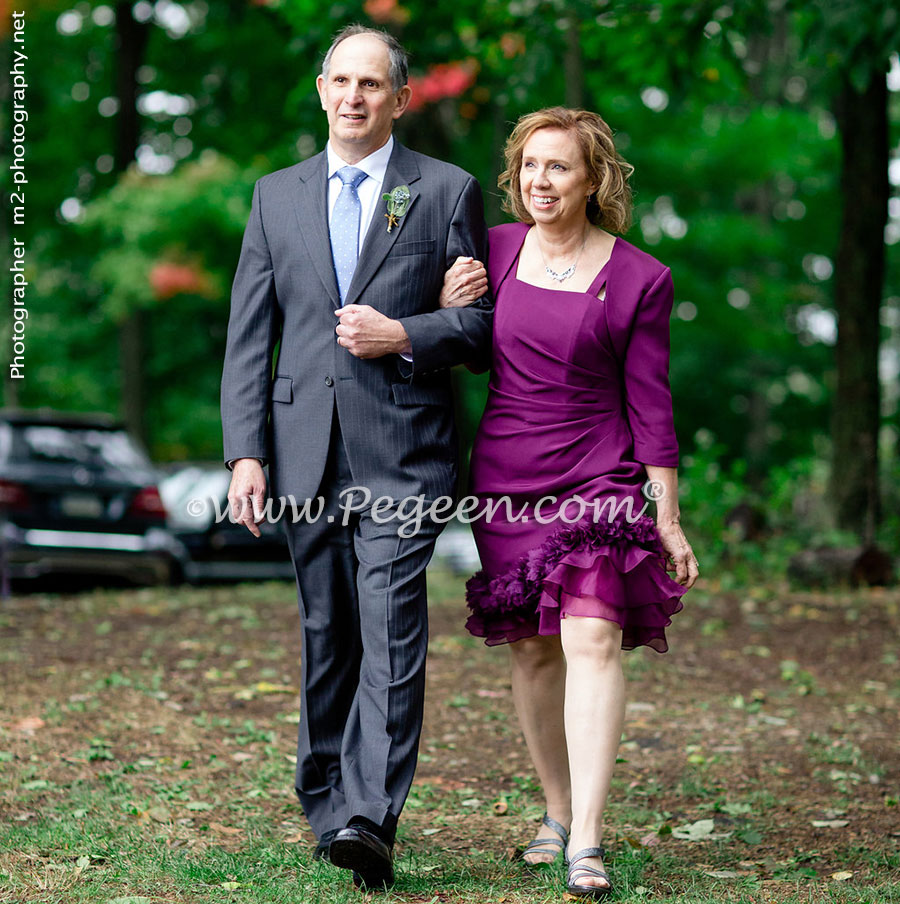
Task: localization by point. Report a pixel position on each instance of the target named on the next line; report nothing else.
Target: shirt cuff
(230, 463)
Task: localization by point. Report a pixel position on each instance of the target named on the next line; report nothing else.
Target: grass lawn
(147, 746)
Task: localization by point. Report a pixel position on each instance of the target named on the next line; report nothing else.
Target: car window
(206, 489)
(83, 446)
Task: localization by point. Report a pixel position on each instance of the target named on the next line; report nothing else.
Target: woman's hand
(466, 281)
(681, 558)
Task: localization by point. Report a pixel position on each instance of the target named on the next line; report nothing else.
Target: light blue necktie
(345, 227)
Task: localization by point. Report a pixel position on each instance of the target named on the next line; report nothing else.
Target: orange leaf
(29, 724)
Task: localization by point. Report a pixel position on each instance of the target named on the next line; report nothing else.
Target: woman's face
(554, 178)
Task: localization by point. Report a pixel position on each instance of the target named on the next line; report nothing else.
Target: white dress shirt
(369, 190)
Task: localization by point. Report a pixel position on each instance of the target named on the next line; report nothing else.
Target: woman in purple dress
(576, 436)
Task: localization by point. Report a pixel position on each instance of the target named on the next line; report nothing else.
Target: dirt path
(776, 715)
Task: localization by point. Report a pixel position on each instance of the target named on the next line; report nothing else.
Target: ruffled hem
(605, 570)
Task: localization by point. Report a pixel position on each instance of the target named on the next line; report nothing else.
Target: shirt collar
(374, 166)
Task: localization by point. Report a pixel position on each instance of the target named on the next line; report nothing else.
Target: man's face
(358, 97)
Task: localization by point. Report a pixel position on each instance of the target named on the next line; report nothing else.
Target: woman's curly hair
(610, 205)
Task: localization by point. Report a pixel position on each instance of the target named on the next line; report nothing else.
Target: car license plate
(81, 505)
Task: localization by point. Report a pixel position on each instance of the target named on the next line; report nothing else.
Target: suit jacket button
(329, 381)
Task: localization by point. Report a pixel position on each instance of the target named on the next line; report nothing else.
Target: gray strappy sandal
(539, 845)
(588, 891)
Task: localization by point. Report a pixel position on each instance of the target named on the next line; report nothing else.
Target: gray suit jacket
(396, 418)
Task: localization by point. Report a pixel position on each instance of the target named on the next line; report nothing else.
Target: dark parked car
(78, 496)
(195, 496)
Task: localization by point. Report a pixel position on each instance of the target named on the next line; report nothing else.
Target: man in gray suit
(347, 285)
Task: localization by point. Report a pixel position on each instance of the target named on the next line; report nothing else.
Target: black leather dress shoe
(322, 848)
(371, 860)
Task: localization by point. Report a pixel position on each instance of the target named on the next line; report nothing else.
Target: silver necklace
(569, 271)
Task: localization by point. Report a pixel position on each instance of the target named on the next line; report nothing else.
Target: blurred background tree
(764, 137)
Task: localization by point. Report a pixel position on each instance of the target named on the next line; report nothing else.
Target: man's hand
(367, 333)
(466, 281)
(246, 493)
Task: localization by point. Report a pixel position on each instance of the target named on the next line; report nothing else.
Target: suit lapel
(311, 208)
(402, 170)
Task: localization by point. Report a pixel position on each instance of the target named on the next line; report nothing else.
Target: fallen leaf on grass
(130, 899)
(837, 775)
(736, 809)
(830, 823)
(695, 831)
(37, 784)
(749, 836)
(224, 830)
(198, 805)
(722, 873)
(433, 831)
(772, 720)
(296, 838)
(448, 784)
(230, 886)
(159, 814)
(266, 687)
(842, 876)
(29, 724)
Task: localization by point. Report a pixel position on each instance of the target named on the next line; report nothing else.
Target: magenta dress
(578, 403)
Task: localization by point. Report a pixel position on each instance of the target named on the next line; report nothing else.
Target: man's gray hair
(399, 65)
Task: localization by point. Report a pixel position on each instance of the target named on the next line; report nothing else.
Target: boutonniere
(397, 204)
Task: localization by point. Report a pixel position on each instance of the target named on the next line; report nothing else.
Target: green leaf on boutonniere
(397, 204)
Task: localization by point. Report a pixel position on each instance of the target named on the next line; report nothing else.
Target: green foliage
(195, 217)
(723, 110)
(844, 37)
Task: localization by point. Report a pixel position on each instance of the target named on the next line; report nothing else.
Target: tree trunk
(493, 198)
(573, 65)
(858, 284)
(131, 42)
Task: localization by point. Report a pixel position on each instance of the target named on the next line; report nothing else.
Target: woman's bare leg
(538, 684)
(594, 716)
